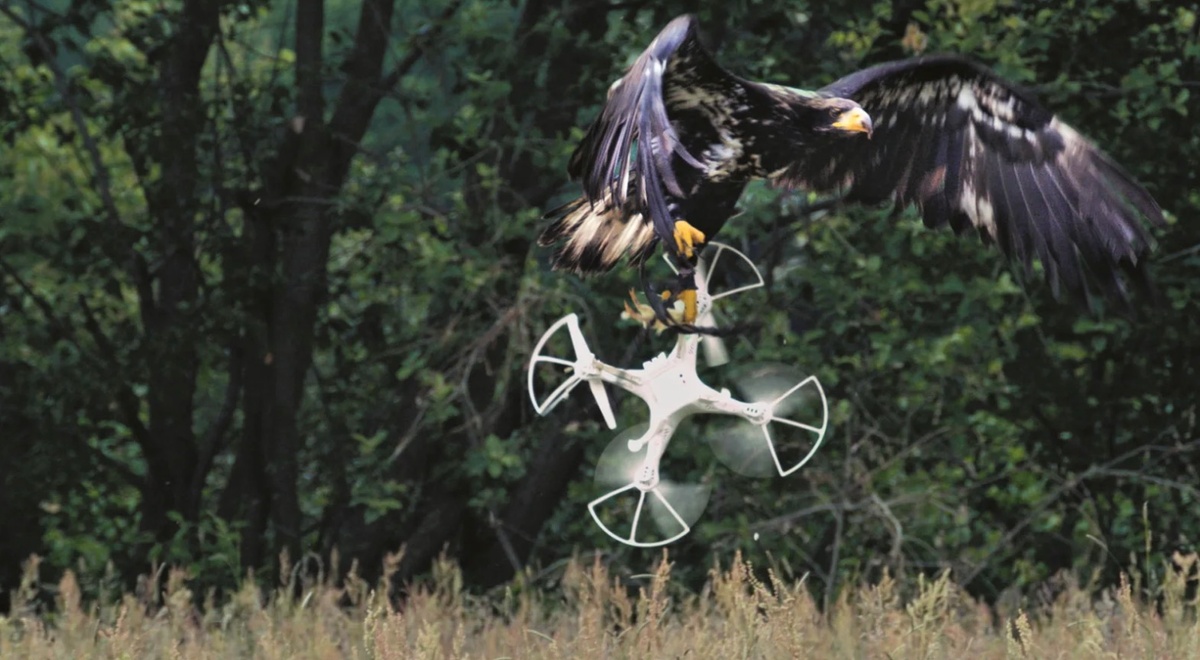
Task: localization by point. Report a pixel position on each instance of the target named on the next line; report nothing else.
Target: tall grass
(591, 613)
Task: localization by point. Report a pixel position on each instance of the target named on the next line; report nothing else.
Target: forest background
(268, 285)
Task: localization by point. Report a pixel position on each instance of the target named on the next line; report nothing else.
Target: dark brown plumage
(679, 138)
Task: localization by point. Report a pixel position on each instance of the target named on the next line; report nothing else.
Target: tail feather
(596, 235)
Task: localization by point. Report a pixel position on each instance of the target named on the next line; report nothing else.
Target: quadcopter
(766, 440)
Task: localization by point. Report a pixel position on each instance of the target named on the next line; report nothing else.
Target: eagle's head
(840, 117)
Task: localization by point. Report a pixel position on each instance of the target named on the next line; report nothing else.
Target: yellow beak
(855, 120)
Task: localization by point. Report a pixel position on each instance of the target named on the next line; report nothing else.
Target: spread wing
(636, 145)
(971, 150)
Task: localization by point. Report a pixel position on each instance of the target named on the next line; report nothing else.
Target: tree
(223, 246)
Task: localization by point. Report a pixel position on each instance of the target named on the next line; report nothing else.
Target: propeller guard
(638, 523)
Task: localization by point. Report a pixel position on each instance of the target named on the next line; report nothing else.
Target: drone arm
(720, 402)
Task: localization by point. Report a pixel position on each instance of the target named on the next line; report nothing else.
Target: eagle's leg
(682, 289)
(655, 298)
(685, 290)
(687, 238)
(661, 301)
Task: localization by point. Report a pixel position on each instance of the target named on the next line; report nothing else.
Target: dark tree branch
(431, 535)
(417, 45)
(64, 330)
(361, 93)
(130, 405)
(310, 30)
(215, 437)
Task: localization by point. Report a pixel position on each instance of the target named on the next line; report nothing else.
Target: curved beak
(854, 120)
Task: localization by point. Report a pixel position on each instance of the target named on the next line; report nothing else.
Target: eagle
(680, 137)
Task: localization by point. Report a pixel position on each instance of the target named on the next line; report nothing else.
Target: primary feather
(679, 138)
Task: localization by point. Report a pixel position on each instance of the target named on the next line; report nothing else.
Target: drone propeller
(632, 488)
(585, 367)
(783, 433)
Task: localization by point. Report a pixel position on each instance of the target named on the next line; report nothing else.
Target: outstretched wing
(971, 150)
(634, 145)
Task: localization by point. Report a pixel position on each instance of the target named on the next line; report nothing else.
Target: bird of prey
(680, 137)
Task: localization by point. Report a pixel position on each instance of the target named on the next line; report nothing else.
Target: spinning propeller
(777, 431)
(780, 441)
(621, 475)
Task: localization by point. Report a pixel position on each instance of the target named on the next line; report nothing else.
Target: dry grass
(592, 615)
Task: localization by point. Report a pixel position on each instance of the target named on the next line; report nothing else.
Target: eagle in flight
(680, 137)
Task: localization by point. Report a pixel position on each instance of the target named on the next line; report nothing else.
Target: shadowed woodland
(268, 285)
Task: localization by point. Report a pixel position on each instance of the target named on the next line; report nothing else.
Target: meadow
(587, 612)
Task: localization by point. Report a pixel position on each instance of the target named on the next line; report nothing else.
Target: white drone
(670, 386)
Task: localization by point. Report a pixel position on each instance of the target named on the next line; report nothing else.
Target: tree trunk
(292, 239)
(169, 318)
(510, 539)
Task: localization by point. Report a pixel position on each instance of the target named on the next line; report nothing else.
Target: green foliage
(977, 424)
(208, 547)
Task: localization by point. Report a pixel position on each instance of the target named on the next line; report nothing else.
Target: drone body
(672, 389)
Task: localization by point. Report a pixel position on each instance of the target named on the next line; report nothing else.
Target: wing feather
(958, 171)
(634, 139)
(970, 149)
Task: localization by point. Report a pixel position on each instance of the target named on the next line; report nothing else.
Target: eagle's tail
(596, 235)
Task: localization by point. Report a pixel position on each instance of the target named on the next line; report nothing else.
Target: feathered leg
(687, 238)
(660, 309)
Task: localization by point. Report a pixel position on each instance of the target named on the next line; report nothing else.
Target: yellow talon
(687, 238)
(641, 312)
(688, 296)
(683, 311)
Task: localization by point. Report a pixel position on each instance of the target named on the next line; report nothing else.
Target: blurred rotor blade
(795, 436)
(773, 383)
(618, 465)
(715, 353)
(650, 518)
(737, 271)
(743, 447)
(794, 428)
(676, 507)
